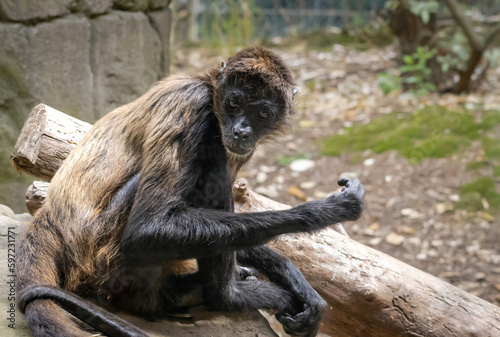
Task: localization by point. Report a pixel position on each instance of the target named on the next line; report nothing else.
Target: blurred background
(403, 94)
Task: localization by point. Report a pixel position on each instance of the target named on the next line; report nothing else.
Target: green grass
(472, 194)
(432, 132)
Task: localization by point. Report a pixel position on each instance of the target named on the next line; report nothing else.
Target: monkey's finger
(343, 181)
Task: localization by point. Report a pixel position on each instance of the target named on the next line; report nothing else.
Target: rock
(307, 185)
(437, 243)
(6, 211)
(320, 194)
(394, 239)
(126, 55)
(261, 177)
(24, 217)
(406, 230)
(269, 191)
(411, 213)
(94, 7)
(156, 4)
(59, 66)
(375, 241)
(454, 197)
(30, 10)
(388, 178)
(5, 223)
(301, 165)
(369, 162)
(422, 256)
(479, 277)
(414, 241)
(267, 169)
(391, 202)
(444, 207)
(131, 5)
(349, 174)
(50, 63)
(15, 102)
(162, 22)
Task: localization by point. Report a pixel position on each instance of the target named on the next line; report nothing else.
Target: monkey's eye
(263, 114)
(233, 104)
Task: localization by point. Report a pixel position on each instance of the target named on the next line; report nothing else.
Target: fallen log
(369, 293)
(45, 141)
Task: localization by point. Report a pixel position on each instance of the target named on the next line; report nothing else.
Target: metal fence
(281, 17)
(271, 18)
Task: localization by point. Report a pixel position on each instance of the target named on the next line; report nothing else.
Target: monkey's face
(248, 115)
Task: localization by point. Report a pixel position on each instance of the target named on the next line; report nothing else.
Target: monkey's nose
(242, 133)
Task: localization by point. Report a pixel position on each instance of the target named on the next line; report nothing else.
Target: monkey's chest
(212, 189)
(213, 180)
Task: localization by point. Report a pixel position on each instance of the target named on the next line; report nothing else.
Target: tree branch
(475, 40)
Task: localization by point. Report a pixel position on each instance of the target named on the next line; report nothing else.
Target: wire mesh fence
(282, 18)
(271, 18)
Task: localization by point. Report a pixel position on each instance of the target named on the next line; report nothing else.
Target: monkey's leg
(36, 258)
(39, 270)
(224, 291)
(283, 272)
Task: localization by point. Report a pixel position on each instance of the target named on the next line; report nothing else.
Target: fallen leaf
(297, 192)
(444, 207)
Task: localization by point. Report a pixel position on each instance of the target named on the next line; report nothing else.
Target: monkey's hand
(305, 323)
(348, 204)
(247, 273)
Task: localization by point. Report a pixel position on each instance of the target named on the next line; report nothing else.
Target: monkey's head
(253, 98)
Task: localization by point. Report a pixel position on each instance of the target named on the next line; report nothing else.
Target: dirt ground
(410, 211)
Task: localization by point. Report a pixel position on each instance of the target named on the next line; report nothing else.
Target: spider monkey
(148, 190)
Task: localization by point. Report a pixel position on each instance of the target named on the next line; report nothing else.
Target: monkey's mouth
(238, 148)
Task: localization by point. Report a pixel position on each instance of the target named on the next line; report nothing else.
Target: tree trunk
(369, 293)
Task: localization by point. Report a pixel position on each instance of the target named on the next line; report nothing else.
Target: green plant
(285, 160)
(433, 132)
(472, 195)
(493, 56)
(388, 82)
(424, 9)
(415, 72)
(232, 24)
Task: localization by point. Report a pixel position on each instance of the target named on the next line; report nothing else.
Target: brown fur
(74, 240)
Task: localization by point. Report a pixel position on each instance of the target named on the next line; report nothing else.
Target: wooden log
(35, 196)
(370, 293)
(45, 141)
(373, 294)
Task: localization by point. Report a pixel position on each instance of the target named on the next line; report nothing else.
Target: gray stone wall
(83, 57)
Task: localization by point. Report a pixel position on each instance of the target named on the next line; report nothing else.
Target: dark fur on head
(262, 74)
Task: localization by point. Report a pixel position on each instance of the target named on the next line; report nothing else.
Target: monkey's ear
(222, 67)
(294, 92)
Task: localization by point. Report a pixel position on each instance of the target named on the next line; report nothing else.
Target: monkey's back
(106, 158)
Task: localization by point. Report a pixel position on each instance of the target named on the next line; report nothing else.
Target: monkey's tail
(88, 312)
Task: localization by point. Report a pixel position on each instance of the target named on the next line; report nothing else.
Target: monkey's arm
(160, 232)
